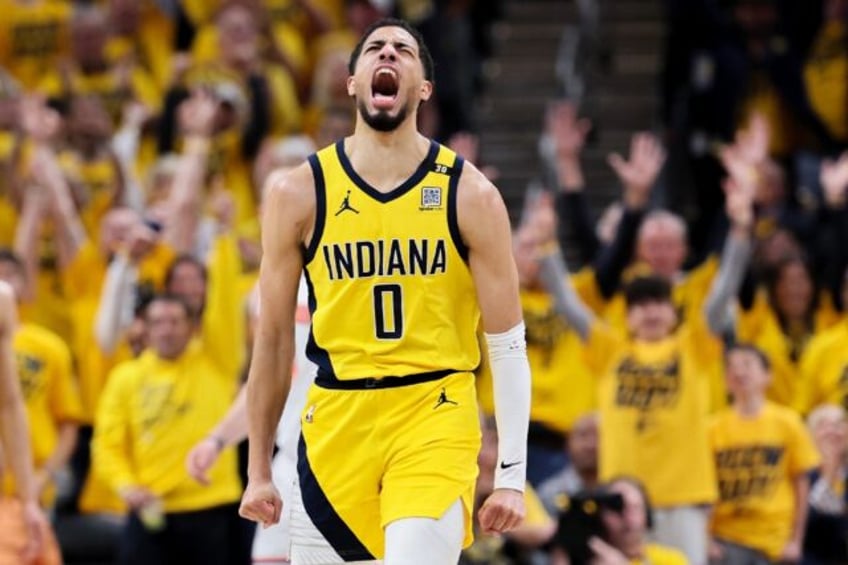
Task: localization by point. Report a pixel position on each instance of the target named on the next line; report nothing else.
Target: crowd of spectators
(135, 139)
(693, 363)
(698, 350)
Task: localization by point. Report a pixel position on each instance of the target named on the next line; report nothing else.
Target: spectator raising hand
(568, 134)
(640, 171)
(753, 140)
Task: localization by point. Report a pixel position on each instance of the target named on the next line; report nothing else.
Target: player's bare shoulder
(479, 204)
(289, 201)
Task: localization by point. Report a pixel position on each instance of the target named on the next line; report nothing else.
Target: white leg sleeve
(308, 546)
(424, 541)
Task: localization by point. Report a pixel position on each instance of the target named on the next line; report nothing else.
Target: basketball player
(399, 271)
(22, 524)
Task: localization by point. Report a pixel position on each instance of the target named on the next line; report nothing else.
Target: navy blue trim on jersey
(320, 208)
(453, 221)
(325, 380)
(314, 352)
(410, 183)
(324, 516)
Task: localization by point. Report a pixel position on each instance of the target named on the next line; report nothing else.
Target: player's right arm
(496, 282)
(14, 434)
(287, 223)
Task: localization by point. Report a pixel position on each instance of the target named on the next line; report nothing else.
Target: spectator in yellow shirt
(762, 456)
(153, 410)
(652, 384)
(782, 321)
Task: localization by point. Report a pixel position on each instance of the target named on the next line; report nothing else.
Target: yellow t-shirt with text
(756, 461)
(653, 400)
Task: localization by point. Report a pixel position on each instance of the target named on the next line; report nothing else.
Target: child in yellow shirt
(762, 455)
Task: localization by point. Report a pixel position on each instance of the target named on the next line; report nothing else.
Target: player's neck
(749, 406)
(386, 159)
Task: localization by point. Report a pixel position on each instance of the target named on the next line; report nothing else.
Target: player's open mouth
(384, 88)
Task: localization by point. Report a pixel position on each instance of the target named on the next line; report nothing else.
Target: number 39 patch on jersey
(431, 197)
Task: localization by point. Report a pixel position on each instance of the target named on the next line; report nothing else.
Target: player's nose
(388, 52)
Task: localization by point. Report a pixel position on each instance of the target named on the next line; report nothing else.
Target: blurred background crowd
(686, 153)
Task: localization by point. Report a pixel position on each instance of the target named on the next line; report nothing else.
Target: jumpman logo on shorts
(443, 399)
(346, 205)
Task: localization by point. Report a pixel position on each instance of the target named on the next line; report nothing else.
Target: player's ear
(426, 90)
(351, 86)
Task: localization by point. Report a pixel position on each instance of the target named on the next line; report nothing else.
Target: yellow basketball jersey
(390, 290)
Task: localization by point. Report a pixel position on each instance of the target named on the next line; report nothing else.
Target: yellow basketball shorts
(371, 456)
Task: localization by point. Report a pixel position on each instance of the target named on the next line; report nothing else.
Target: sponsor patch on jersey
(431, 197)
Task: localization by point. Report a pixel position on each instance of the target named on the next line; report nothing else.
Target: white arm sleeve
(511, 382)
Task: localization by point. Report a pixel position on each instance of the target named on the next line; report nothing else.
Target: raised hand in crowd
(197, 119)
(222, 206)
(834, 180)
(568, 134)
(467, 146)
(744, 159)
(753, 140)
(639, 172)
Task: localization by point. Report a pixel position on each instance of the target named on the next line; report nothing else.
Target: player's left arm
(485, 230)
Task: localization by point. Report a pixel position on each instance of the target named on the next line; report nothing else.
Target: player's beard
(381, 120)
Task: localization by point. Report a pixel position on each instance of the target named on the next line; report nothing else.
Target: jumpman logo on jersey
(346, 205)
(443, 399)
